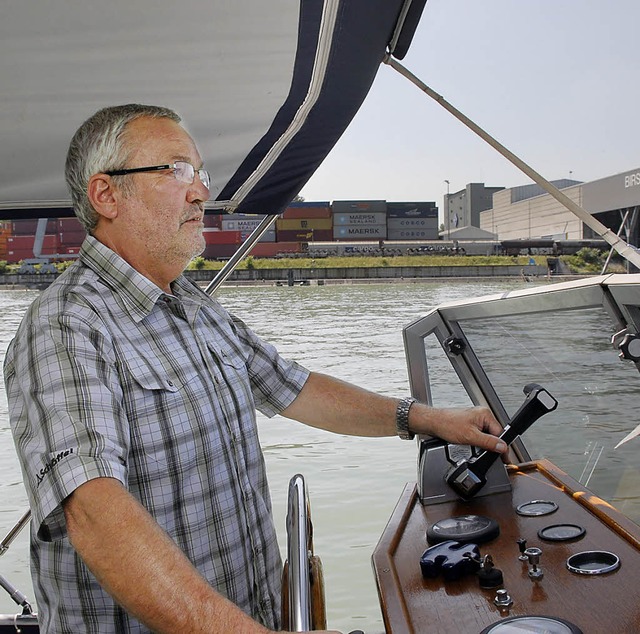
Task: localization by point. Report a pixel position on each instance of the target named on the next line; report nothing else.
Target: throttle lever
(469, 476)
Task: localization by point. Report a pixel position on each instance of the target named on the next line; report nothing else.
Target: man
(132, 402)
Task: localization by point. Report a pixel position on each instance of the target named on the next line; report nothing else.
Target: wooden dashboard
(594, 603)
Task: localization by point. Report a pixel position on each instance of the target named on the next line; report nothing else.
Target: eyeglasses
(183, 172)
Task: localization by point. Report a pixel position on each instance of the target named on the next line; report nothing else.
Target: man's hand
(474, 426)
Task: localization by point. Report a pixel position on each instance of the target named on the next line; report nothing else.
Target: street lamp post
(448, 211)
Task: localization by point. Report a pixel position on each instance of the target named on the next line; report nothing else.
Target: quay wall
(387, 273)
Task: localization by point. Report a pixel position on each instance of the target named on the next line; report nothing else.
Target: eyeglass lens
(185, 172)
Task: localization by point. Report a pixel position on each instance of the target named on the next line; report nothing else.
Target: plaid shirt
(108, 376)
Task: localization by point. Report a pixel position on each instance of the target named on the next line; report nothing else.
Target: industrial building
(528, 212)
(463, 208)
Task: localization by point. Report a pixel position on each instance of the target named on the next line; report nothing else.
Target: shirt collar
(137, 292)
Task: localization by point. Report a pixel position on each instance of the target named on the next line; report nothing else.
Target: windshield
(562, 341)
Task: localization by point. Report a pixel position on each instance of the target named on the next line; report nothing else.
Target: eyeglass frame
(158, 168)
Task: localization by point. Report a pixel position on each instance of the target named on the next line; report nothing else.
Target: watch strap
(402, 418)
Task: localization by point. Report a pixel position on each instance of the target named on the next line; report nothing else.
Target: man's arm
(137, 563)
(337, 406)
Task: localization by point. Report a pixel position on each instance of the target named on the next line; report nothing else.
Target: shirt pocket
(158, 404)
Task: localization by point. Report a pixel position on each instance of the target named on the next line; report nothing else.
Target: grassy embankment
(586, 261)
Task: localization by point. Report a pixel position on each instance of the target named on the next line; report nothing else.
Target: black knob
(492, 578)
(454, 345)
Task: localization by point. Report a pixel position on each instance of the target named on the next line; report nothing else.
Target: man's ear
(102, 195)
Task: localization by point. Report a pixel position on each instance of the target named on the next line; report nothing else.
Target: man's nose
(197, 190)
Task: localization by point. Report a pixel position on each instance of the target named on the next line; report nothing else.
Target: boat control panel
(505, 548)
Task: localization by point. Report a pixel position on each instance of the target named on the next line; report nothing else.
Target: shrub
(197, 263)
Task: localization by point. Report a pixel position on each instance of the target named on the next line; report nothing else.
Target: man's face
(159, 222)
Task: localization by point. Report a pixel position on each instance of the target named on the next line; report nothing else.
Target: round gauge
(464, 529)
(535, 508)
(593, 562)
(529, 624)
(561, 532)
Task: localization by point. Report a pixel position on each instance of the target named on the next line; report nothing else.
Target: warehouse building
(463, 208)
(528, 212)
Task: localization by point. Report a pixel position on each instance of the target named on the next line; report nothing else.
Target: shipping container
(238, 225)
(303, 235)
(71, 238)
(412, 223)
(359, 218)
(69, 225)
(5, 232)
(219, 251)
(307, 210)
(412, 234)
(268, 236)
(243, 216)
(298, 224)
(22, 242)
(270, 250)
(28, 227)
(412, 210)
(215, 236)
(351, 206)
(212, 221)
(367, 232)
(15, 255)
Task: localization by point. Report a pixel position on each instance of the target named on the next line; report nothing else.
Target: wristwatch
(402, 418)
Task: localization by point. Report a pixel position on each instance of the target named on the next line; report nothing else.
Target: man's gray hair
(99, 145)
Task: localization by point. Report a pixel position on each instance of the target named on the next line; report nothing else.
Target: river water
(351, 331)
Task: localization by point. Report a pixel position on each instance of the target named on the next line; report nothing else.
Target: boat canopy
(265, 88)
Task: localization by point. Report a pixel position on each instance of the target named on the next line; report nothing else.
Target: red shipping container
(317, 235)
(222, 237)
(71, 238)
(21, 242)
(25, 227)
(216, 251)
(213, 221)
(69, 225)
(271, 249)
(15, 255)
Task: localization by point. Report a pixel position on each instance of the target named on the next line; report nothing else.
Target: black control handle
(469, 476)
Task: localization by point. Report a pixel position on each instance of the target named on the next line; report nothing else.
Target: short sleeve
(65, 407)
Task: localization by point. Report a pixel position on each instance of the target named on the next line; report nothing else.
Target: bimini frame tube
(243, 250)
(627, 251)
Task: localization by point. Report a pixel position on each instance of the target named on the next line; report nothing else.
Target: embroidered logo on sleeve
(51, 464)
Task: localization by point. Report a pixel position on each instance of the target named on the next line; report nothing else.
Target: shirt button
(170, 383)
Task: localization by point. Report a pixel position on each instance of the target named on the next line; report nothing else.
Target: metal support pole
(627, 251)
(243, 250)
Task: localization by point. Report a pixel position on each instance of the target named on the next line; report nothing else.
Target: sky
(555, 81)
